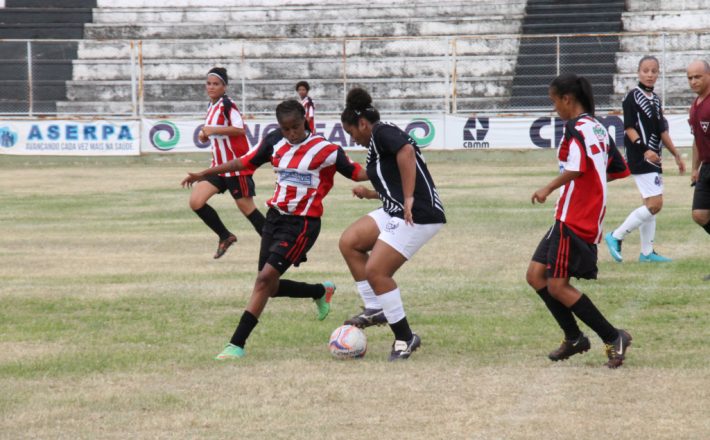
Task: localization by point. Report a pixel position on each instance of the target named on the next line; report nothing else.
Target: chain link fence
(460, 75)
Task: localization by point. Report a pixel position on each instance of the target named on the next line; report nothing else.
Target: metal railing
(463, 74)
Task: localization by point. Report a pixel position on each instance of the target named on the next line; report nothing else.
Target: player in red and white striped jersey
(305, 166)
(302, 87)
(224, 129)
(587, 159)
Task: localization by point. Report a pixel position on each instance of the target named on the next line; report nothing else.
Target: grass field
(111, 309)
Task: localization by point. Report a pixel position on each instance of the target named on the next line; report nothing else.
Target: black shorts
(701, 196)
(238, 186)
(565, 255)
(286, 239)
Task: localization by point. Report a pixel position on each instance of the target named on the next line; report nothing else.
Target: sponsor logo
(547, 132)
(196, 138)
(8, 137)
(295, 177)
(422, 131)
(283, 244)
(474, 133)
(164, 135)
(704, 125)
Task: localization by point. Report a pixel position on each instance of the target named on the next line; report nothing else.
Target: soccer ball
(347, 342)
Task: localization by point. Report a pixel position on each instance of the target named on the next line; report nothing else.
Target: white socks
(392, 305)
(647, 230)
(637, 217)
(368, 295)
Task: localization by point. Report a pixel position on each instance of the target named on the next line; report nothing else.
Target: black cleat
(367, 318)
(224, 245)
(570, 348)
(616, 351)
(403, 349)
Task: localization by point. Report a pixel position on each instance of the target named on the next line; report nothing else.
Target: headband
(224, 80)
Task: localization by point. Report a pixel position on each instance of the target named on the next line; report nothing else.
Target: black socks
(257, 219)
(563, 315)
(401, 330)
(211, 219)
(297, 289)
(590, 315)
(246, 325)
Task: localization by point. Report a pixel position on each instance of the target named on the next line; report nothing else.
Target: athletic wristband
(640, 145)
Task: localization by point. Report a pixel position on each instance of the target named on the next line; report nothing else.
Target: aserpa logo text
(164, 135)
(8, 137)
(474, 133)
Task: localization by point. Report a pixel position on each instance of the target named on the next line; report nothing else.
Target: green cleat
(323, 303)
(230, 351)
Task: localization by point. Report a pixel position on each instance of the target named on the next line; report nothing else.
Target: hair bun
(358, 99)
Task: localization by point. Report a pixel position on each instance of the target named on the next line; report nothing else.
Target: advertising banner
(495, 132)
(181, 135)
(70, 137)
(433, 133)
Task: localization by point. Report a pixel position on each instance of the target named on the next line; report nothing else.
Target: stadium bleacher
(675, 50)
(409, 54)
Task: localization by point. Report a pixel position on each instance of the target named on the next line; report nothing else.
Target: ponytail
(358, 104)
(577, 86)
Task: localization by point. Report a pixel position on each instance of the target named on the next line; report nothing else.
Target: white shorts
(405, 239)
(649, 184)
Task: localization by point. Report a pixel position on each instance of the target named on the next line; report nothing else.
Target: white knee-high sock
(392, 305)
(368, 295)
(637, 217)
(647, 230)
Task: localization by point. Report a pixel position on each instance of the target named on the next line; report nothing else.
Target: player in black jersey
(378, 244)
(646, 131)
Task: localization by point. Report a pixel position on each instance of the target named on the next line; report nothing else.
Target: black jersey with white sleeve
(382, 170)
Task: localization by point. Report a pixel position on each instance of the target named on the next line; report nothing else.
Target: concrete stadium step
(266, 69)
(676, 83)
(686, 20)
(674, 62)
(671, 42)
(50, 3)
(231, 49)
(299, 14)
(338, 29)
(69, 31)
(45, 89)
(665, 5)
(260, 107)
(195, 91)
(44, 15)
(12, 106)
(276, 4)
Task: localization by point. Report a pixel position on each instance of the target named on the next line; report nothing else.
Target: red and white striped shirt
(310, 108)
(304, 172)
(582, 202)
(226, 148)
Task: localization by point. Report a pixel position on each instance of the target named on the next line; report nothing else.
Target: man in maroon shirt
(699, 120)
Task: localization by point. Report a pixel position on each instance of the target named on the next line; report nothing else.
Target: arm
(635, 138)
(210, 130)
(666, 138)
(541, 194)
(232, 165)
(361, 175)
(364, 193)
(407, 164)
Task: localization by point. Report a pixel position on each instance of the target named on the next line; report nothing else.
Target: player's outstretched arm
(232, 165)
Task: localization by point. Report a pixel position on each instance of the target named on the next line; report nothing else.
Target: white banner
(433, 133)
(180, 135)
(70, 137)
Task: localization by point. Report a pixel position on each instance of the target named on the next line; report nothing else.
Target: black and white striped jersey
(387, 139)
(644, 114)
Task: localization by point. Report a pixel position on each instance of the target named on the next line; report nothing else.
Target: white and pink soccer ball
(347, 342)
